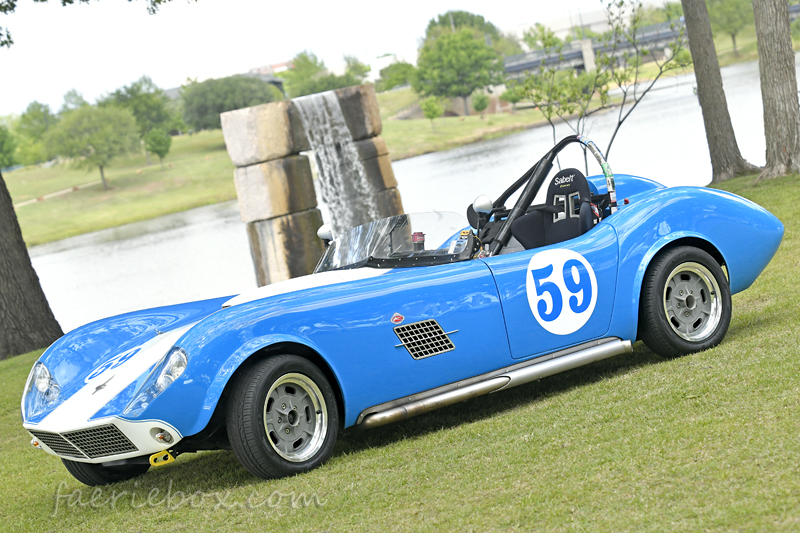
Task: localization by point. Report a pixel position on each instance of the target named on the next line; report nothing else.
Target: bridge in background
(580, 55)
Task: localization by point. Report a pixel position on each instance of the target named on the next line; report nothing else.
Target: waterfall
(343, 180)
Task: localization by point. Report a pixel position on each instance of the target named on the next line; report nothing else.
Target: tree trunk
(147, 156)
(103, 179)
(26, 321)
(466, 107)
(735, 51)
(778, 87)
(726, 160)
(162, 163)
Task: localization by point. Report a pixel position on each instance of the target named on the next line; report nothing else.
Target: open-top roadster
(403, 315)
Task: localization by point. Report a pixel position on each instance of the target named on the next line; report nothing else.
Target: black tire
(685, 305)
(94, 474)
(282, 418)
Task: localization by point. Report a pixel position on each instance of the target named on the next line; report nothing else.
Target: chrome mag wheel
(691, 302)
(295, 417)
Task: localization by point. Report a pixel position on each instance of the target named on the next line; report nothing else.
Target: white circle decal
(562, 290)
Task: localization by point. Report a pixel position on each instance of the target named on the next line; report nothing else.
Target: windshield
(404, 240)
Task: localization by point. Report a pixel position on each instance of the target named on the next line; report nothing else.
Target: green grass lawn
(707, 442)
(391, 102)
(408, 138)
(198, 172)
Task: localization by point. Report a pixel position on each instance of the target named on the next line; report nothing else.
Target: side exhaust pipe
(520, 376)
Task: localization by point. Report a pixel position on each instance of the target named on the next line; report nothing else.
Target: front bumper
(110, 439)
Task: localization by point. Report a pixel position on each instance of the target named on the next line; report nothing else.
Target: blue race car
(403, 315)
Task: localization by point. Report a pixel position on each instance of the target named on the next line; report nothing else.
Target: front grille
(101, 441)
(57, 443)
(424, 339)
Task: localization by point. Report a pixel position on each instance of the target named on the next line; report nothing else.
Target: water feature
(342, 178)
(204, 252)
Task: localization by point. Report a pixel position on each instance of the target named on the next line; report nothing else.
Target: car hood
(84, 353)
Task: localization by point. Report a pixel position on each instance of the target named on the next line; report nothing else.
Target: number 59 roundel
(562, 290)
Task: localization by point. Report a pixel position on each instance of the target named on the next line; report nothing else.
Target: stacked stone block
(274, 182)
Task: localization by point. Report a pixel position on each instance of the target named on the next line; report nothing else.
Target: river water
(204, 253)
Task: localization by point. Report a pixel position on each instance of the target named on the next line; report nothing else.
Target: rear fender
(743, 234)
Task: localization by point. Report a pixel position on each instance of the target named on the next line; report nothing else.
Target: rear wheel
(283, 418)
(94, 474)
(686, 303)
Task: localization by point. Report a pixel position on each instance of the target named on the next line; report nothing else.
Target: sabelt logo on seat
(565, 180)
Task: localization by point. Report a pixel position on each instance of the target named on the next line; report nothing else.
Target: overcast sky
(98, 47)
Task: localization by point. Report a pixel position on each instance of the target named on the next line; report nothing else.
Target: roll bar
(533, 180)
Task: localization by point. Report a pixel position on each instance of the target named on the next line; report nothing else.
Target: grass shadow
(213, 472)
(356, 439)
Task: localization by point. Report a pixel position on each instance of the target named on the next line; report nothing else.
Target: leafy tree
(730, 16)
(36, 120)
(454, 21)
(204, 101)
(94, 136)
(432, 108)
(399, 73)
(27, 320)
(480, 102)
(356, 68)
(566, 94)
(454, 65)
(561, 93)
(145, 100)
(309, 75)
(159, 142)
(670, 11)
(31, 129)
(512, 96)
(540, 37)
(7, 148)
(305, 68)
(72, 100)
(624, 70)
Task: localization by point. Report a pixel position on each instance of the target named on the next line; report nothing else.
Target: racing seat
(566, 213)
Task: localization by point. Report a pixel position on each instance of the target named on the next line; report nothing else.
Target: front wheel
(686, 303)
(282, 418)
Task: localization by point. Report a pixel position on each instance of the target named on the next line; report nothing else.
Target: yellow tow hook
(161, 458)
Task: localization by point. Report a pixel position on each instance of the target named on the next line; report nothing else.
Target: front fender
(229, 367)
(216, 350)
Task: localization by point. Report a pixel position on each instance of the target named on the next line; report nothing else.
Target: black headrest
(566, 182)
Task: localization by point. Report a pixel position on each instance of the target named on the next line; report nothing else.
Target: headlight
(41, 390)
(162, 376)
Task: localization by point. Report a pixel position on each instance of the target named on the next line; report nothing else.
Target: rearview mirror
(325, 232)
(483, 204)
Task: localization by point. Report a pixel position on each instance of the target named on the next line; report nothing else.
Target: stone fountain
(274, 182)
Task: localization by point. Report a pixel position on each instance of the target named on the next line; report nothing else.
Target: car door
(558, 295)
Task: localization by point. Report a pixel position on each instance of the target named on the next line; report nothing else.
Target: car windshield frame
(416, 239)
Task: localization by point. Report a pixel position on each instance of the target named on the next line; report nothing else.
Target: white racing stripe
(311, 281)
(75, 412)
